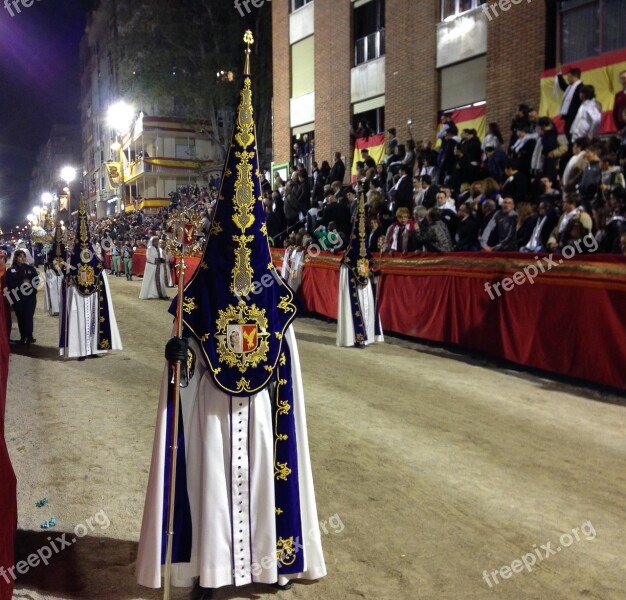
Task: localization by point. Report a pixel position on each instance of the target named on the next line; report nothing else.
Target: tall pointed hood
(85, 267)
(357, 256)
(236, 306)
(58, 242)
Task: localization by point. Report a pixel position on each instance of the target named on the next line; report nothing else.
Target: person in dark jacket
(466, 238)
(517, 185)
(338, 170)
(505, 228)
(337, 213)
(291, 205)
(571, 98)
(547, 221)
(303, 193)
(589, 186)
(495, 162)
(22, 281)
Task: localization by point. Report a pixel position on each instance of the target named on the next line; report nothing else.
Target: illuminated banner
(178, 163)
(114, 173)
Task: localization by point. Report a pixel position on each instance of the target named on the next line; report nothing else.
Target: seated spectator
(548, 218)
(570, 212)
(612, 176)
(398, 234)
(377, 236)
(505, 225)
(447, 208)
(435, 237)
(517, 185)
(615, 227)
(526, 222)
(429, 191)
(487, 236)
(575, 165)
(589, 186)
(466, 238)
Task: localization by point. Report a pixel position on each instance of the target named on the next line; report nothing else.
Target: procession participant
(87, 325)
(127, 257)
(358, 322)
(116, 266)
(22, 281)
(54, 272)
(245, 507)
(154, 284)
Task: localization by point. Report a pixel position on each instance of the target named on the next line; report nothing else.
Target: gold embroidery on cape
(286, 304)
(242, 315)
(285, 551)
(242, 271)
(189, 305)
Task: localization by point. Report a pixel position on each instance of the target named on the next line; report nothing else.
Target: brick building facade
(414, 64)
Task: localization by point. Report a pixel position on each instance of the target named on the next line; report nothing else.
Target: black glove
(176, 350)
(162, 260)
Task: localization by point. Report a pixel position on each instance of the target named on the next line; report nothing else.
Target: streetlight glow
(68, 174)
(46, 198)
(120, 116)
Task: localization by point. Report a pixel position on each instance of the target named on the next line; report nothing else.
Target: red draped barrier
(8, 501)
(139, 261)
(571, 320)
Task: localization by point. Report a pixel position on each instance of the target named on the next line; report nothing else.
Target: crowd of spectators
(538, 191)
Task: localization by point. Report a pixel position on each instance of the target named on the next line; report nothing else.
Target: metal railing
(369, 47)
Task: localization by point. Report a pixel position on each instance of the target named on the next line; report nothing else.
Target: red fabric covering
(571, 320)
(139, 261)
(8, 501)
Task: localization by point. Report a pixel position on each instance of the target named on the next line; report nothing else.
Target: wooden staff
(186, 240)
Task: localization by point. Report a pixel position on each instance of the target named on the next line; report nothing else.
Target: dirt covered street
(437, 476)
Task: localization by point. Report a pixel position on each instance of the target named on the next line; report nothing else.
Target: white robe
(285, 270)
(82, 324)
(295, 270)
(148, 285)
(208, 415)
(345, 323)
(54, 291)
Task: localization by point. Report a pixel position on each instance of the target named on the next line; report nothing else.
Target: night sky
(40, 86)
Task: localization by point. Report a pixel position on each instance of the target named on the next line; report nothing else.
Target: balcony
(369, 47)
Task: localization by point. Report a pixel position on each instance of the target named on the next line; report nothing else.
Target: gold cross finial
(248, 40)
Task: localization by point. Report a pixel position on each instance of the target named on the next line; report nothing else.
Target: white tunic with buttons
(229, 448)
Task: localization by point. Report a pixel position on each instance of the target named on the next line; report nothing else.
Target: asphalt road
(438, 476)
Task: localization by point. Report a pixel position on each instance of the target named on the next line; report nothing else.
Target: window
(369, 31)
(303, 67)
(372, 120)
(453, 8)
(591, 27)
(296, 4)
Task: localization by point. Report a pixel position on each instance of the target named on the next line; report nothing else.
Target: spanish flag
(376, 146)
(602, 72)
(470, 117)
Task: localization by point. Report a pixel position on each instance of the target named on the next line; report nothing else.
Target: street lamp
(120, 117)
